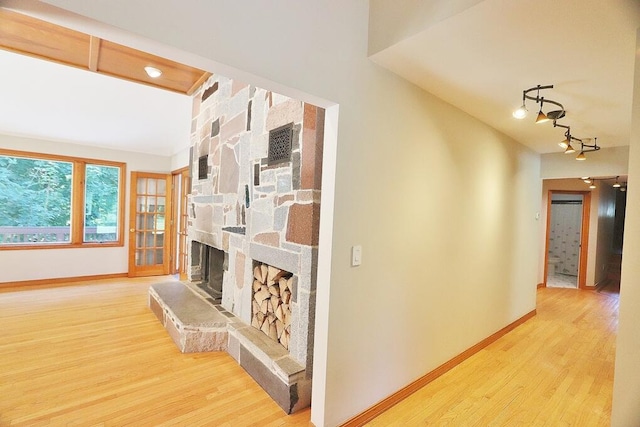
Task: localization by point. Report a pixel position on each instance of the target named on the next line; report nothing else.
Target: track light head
(581, 157)
(521, 112)
(542, 117)
(569, 149)
(616, 184)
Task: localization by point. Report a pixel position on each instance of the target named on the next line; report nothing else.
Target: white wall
(392, 21)
(36, 264)
(626, 383)
(607, 162)
(443, 206)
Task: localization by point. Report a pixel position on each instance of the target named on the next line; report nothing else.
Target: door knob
(132, 230)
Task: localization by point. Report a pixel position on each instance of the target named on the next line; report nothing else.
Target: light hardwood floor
(554, 370)
(92, 354)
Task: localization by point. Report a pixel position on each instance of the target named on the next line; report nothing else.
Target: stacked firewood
(272, 289)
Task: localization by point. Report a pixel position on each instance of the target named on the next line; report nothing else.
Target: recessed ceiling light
(153, 72)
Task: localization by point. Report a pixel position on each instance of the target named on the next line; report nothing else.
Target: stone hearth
(197, 324)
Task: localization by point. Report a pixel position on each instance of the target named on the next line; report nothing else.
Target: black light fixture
(621, 185)
(554, 115)
(616, 184)
(585, 147)
(521, 112)
(542, 117)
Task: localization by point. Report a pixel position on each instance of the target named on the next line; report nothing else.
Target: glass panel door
(148, 246)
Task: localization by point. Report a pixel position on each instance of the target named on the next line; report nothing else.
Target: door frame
(584, 236)
(168, 217)
(180, 189)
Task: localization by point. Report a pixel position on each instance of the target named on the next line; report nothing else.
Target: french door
(149, 224)
(181, 191)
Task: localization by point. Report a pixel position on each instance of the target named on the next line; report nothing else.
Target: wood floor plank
(93, 354)
(555, 369)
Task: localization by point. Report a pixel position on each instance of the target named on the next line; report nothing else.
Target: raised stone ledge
(191, 322)
(195, 325)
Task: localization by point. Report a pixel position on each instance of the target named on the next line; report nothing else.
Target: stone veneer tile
(280, 217)
(215, 127)
(195, 106)
(291, 247)
(284, 184)
(289, 369)
(225, 241)
(201, 341)
(203, 216)
(284, 113)
(303, 224)
(268, 177)
(229, 173)
(280, 200)
(233, 127)
(240, 260)
(305, 196)
(156, 308)
(237, 86)
(270, 239)
(209, 91)
(312, 144)
(174, 333)
(295, 170)
(285, 396)
(276, 257)
(308, 267)
(187, 307)
(233, 348)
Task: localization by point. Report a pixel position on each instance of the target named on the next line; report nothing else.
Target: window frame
(77, 201)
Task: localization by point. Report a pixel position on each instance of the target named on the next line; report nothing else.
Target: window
(54, 201)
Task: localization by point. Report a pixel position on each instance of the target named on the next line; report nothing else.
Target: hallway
(555, 369)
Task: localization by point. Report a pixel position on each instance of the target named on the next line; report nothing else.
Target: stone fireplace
(207, 268)
(256, 161)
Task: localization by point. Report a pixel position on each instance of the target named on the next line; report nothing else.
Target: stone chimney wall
(253, 210)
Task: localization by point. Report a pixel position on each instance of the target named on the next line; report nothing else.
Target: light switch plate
(356, 255)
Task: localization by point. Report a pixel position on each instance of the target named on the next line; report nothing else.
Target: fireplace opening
(207, 268)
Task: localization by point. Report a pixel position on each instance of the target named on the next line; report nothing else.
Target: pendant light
(616, 184)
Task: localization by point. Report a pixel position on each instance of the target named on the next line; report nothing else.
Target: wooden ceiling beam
(94, 53)
(30, 36)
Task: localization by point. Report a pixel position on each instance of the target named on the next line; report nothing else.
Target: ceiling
(481, 59)
(70, 96)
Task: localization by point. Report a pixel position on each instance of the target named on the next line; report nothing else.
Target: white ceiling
(481, 59)
(46, 100)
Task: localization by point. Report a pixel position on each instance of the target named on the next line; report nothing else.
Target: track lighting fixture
(542, 117)
(554, 115)
(617, 183)
(521, 112)
(569, 149)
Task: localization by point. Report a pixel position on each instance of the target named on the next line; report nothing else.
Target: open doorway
(567, 237)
